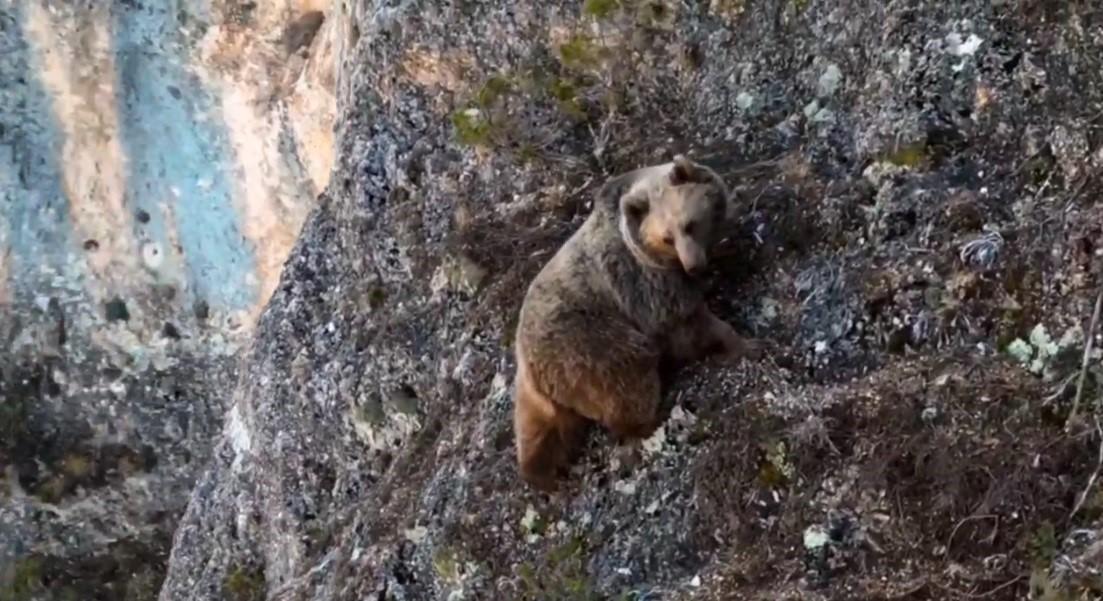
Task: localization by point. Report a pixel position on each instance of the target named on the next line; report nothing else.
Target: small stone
(655, 443)
(416, 534)
(769, 311)
(815, 537)
(829, 81)
(959, 47)
(625, 487)
(530, 520)
(811, 109)
(744, 101)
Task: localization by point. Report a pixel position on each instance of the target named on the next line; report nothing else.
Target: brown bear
(618, 297)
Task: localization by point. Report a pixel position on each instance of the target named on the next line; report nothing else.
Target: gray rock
(869, 299)
(367, 449)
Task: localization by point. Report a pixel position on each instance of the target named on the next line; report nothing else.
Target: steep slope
(921, 195)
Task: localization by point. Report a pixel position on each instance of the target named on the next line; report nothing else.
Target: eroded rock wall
(920, 193)
(157, 160)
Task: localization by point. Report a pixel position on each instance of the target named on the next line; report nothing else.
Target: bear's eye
(690, 228)
(636, 210)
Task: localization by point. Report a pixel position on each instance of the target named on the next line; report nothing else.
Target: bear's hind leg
(542, 433)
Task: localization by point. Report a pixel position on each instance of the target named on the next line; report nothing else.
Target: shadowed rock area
(918, 238)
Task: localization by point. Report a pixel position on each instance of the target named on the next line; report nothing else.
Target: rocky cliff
(157, 160)
(918, 237)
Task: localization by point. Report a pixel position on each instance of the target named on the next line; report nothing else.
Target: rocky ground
(918, 238)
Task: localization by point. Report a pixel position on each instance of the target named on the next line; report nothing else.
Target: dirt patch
(943, 479)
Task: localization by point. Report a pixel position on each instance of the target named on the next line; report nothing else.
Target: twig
(1060, 389)
(982, 595)
(962, 523)
(1084, 362)
(1095, 474)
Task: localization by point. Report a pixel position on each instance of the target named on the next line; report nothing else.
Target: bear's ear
(684, 170)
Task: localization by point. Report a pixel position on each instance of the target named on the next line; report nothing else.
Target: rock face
(919, 182)
(918, 238)
(156, 164)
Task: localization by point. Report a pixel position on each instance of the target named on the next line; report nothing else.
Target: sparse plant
(561, 576)
(244, 584)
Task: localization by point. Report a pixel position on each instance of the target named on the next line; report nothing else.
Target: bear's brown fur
(617, 298)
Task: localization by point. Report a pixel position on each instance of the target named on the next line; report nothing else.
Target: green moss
(563, 90)
(600, 9)
(472, 127)
(77, 466)
(729, 7)
(561, 576)
(492, 90)
(376, 298)
(244, 584)
(565, 94)
(51, 490)
(528, 154)
(700, 432)
(446, 565)
(655, 14)
(911, 155)
(1043, 544)
(21, 580)
(12, 420)
(775, 470)
(1038, 168)
(581, 52)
